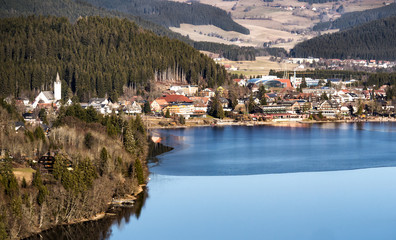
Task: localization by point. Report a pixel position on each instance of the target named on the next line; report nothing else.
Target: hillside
(73, 10)
(104, 167)
(95, 56)
(349, 20)
(172, 14)
(278, 23)
(374, 40)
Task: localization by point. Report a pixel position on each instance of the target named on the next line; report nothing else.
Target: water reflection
(196, 193)
(95, 230)
(270, 149)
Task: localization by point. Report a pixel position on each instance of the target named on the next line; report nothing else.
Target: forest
(373, 40)
(168, 13)
(95, 56)
(74, 9)
(352, 19)
(231, 52)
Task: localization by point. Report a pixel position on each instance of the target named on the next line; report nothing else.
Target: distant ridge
(373, 40)
(352, 19)
(172, 14)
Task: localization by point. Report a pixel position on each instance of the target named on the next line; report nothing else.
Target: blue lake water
(324, 181)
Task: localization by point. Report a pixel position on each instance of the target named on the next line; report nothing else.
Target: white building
(134, 108)
(48, 97)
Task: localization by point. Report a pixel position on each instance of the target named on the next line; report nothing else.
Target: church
(48, 97)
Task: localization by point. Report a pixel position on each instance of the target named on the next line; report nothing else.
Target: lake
(321, 181)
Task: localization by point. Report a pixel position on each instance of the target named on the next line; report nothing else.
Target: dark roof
(28, 115)
(223, 100)
(19, 124)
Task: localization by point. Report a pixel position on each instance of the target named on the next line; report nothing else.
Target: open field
(261, 66)
(282, 22)
(204, 32)
(21, 173)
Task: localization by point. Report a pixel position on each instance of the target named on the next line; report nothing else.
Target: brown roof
(161, 102)
(200, 99)
(176, 99)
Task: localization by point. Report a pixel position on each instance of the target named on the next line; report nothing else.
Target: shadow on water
(101, 229)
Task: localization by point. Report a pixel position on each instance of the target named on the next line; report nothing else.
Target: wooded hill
(107, 154)
(352, 19)
(374, 40)
(74, 9)
(168, 13)
(94, 56)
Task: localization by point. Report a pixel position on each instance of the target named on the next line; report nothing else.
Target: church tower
(57, 88)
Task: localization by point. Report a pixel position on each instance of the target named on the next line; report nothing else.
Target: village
(263, 99)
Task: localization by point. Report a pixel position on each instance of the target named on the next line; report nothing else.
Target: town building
(48, 98)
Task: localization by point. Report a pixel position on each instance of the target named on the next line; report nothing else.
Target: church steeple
(57, 78)
(57, 88)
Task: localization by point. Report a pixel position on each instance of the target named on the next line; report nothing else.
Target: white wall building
(49, 97)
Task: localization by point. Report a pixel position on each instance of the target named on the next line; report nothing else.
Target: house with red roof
(176, 104)
(285, 82)
(158, 104)
(240, 82)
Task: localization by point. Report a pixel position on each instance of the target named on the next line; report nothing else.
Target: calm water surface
(329, 181)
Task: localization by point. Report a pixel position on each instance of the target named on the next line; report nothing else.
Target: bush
(88, 140)
(39, 133)
(139, 171)
(182, 120)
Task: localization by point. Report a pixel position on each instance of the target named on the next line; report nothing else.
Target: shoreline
(124, 202)
(272, 123)
(130, 199)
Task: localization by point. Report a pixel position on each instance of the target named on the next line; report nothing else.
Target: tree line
(373, 40)
(231, 52)
(94, 56)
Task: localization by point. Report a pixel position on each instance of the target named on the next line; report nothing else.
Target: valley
(282, 23)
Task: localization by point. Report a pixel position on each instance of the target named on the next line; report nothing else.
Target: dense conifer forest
(374, 40)
(232, 52)
(352, 19)
(75, 9)
(167, 13)
(95, 56)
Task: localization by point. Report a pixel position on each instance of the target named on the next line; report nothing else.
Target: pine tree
(167, 114)
(129, 140)
(104, 162)
(251, 104)
(147, 108)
